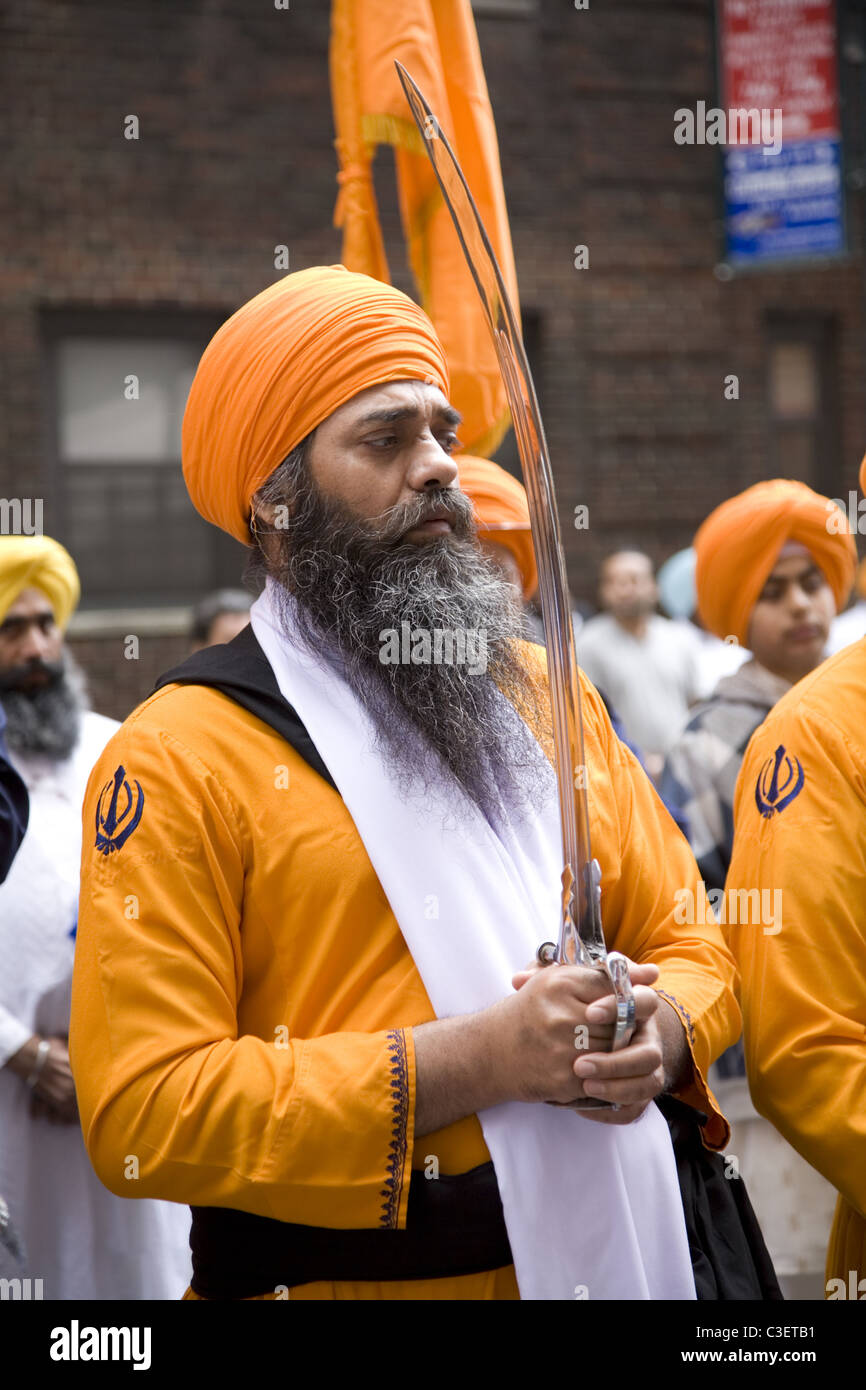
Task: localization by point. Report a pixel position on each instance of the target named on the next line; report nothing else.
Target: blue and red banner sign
(783, 197)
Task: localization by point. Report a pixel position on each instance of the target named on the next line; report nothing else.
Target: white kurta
(80, 1239)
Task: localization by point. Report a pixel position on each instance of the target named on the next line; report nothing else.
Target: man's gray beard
(47, 719)
(352, 581)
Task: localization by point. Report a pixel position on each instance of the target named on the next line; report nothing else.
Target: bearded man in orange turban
(341, 831)
(799, 813)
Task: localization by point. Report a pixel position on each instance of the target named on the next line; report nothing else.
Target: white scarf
(592, 1210)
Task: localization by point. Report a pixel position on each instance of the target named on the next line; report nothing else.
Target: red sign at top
(781, 54)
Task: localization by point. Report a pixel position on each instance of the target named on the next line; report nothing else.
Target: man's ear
(266, 518)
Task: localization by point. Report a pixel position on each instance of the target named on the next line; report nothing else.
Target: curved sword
(581, 938)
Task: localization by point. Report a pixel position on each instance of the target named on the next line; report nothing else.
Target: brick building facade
(111, 241)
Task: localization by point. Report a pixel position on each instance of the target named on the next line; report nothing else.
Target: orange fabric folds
(436, 42)
(501, 512)
(803, 982)
(281, 365)
(739, 543)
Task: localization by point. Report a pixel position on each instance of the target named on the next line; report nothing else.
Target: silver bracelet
(42, 1052)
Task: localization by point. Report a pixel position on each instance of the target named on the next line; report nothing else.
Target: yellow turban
(739, 543)
(501, 512)
(36, 562)
(281, 365)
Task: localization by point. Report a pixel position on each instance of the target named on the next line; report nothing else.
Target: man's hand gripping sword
(581, 938)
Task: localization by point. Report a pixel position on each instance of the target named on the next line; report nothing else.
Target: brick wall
(116, 682)
(235, 156)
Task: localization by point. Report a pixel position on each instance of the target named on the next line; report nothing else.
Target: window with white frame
(119, 384)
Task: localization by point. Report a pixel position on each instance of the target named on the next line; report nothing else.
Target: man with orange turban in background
(799, 813)
(505, 534)
(501, 515)
(318, 1029)
(773, 566)
(79, 1240)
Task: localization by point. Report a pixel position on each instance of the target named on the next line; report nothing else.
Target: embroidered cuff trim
(683, 1013)
(399, 1070)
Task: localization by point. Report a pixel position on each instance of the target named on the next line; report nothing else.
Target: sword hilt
(617, 969)
(615, 966)
(573, 950)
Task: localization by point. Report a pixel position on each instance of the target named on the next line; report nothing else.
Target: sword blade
(581, 938)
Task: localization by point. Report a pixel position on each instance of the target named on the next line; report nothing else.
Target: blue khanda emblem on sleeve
(779, 781)
(118, 812)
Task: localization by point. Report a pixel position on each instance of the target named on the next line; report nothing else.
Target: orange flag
(436, 42)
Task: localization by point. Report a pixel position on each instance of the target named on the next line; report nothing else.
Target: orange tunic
(243, 999)
(800, 810)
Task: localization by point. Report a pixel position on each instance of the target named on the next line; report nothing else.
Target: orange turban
(863, 474)
(281, 365)
(501, 512)
(37, 562)
(739, 543)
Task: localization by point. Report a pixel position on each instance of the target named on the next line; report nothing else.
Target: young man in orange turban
(324, 852)
(774, 565)
(799, 813)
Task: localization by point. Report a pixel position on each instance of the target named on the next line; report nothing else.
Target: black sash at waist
(455, 1226)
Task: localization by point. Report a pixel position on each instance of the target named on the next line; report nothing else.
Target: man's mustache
(20, 677)
(394, 524)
